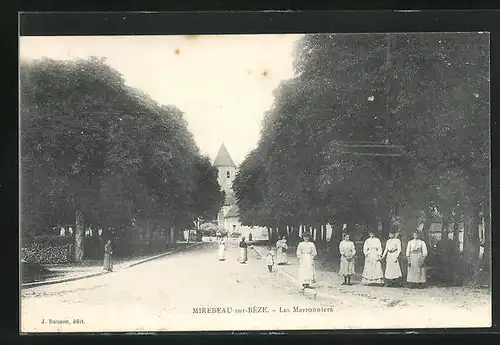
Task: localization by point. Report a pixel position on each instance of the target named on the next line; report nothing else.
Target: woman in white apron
(391, 254)
(222, 249)
(372, 272)
(347, 251)
(306, 252)
(416, 252)
(281, 247)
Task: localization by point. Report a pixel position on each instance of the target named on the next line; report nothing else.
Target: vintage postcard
(255, 182)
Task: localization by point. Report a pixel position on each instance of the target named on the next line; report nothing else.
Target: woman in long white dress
(281, 247)
(416, 252)
(372, 272)
(347, 251)
(306, 252)
(222, 249)
(391, 254)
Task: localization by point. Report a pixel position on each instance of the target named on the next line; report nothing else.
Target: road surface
(169, 294)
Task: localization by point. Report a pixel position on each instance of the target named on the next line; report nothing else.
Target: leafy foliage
(425, 92)
(90, 143)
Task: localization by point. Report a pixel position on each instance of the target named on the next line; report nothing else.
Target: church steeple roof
(223, 158)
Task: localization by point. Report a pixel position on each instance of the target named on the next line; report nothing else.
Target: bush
(37, 253)
(49, 240)
(47, 249)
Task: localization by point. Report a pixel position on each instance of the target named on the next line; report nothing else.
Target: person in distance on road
(347, 251)
(306, 252)
(281, 248)
(270, 259)
(243, 251)
(108, 259)
(222, 249)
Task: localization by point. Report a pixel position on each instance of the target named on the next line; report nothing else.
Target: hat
(306, 234)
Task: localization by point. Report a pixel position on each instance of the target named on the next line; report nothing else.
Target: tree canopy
(425, 93)
(92, 144)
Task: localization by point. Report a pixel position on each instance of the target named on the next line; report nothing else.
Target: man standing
(447, 255)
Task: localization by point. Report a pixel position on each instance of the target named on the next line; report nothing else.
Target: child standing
(270, 259)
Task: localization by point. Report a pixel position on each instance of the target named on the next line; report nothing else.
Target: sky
(222, 83)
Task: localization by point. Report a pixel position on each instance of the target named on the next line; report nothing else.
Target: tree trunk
(172, 237)
(79, 235)
(149, 237)
(386, 226)
(425, 232)
(269, 235)
(456, 227)
(296, 235)
(427, 225)
(471, 242)
(276, 234)
(336, 237)
(446, 224)
(281, 231)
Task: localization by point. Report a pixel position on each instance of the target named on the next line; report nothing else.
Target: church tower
(226, 174)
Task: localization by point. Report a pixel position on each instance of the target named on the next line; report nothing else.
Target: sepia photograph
(254, 182)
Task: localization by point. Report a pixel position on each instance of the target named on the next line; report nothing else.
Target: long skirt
(307, 273)
(416, 269)
(108, 262)
(346, 266)
(243, 255)
(222, 253)
(372, 272)
(281, 257)
(392, 268)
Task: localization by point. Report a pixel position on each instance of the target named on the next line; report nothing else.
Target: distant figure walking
(391, 254)
(243, 251)
(306, 252)
(372, 272)
(281, 248)
(416, 252)
(347, 251)
(222, 249)
(270, 259)
(108, 258)
(250, 237)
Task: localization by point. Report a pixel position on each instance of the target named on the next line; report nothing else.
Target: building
(228, 217)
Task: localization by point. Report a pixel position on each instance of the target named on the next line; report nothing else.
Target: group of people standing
(243, 247)
(281, 255)
(416, 252)
(373, 273)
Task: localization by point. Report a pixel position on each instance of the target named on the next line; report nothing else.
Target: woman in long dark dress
(108, 259)
(243, 251)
